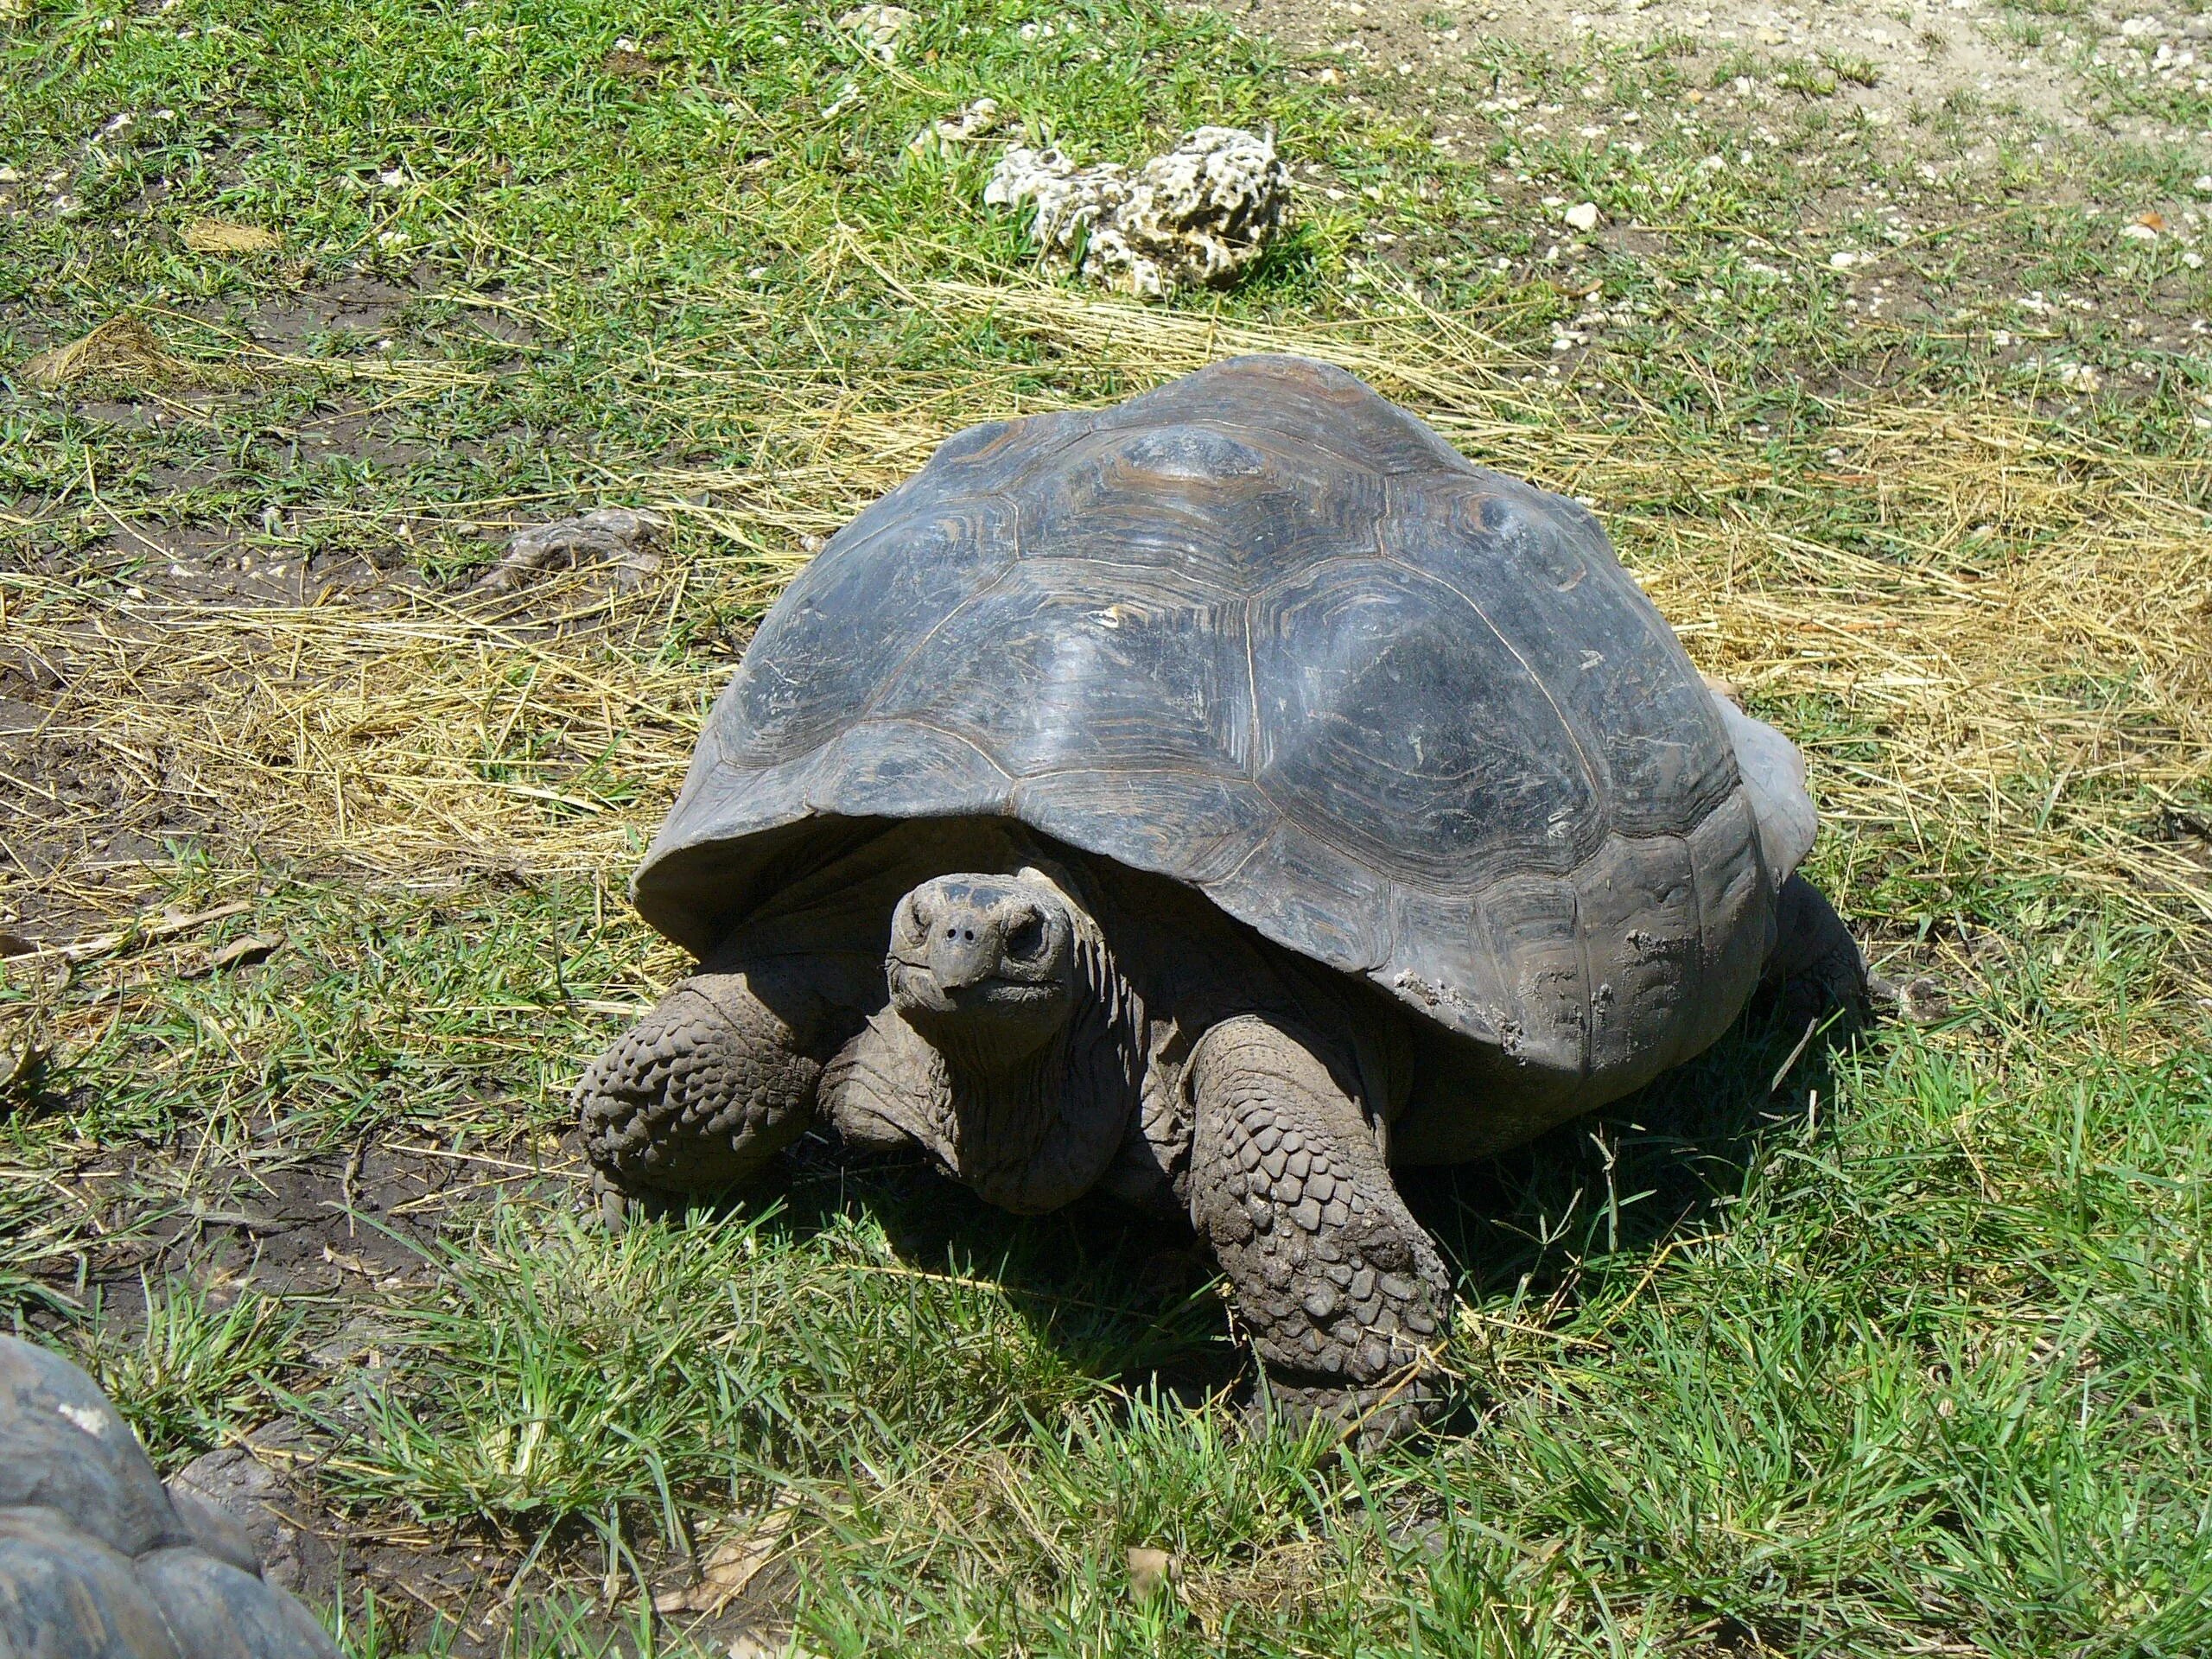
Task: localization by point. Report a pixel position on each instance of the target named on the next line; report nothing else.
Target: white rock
(1583, 216)
(2138, 232)
(972, 123)
(1199, 214)
(879, 28)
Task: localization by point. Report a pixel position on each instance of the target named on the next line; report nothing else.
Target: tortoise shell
(99, 1559)
(1264, 632)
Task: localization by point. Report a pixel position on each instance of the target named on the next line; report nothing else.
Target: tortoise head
(984, 966)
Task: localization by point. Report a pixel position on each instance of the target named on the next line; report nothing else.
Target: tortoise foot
(1366, 1418)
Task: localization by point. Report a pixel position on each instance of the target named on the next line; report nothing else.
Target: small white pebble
(1583, 216)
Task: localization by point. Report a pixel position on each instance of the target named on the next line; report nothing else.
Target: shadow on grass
(1131, 1298)
(1620, 1185)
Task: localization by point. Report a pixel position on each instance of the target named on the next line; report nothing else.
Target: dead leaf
(245, 950)
(15, 944)
(729, 1566)
(339, 1258)
(2153, 221)
(1152, 1573)
(20, 1058)
(752, 1645)
(223, 236)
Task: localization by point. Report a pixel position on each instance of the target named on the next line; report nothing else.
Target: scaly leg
(700, 1093)
(1816, 965)
(1343, 1292)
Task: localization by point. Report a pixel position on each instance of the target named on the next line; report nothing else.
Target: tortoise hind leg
(1343, 1292)
(1816, 965)
(700, 1093)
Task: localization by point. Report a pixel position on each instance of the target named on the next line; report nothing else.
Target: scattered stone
(972, 123)
(1200, 214)
(879, 28)
(1583, 216)
(621, 537)
(627, 59)
(1152, 1573)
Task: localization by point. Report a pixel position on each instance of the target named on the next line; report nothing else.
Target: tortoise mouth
(918, 991)
(988, 1022)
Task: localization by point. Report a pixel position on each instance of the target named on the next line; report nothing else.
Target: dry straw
(2022, 668)
(222, 236)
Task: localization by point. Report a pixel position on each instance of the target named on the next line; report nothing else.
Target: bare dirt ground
(2040, 61)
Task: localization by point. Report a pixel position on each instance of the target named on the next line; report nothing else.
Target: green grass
(1901, 1348)
(193, 1375)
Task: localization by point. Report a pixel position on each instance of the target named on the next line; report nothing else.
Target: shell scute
(851, 616)
(1396, 722)
(1048, 674)
(1235, 511)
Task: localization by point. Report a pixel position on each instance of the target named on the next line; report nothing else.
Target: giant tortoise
(1216, 800)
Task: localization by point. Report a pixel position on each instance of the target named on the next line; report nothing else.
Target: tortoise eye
(1025, 940)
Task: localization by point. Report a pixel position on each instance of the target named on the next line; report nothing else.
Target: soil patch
(1878, 56)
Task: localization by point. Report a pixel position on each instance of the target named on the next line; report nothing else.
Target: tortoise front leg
(701, 1092)
(1343, 1292)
